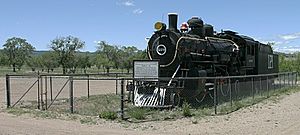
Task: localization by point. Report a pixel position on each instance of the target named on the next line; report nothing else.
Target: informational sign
(145, 69)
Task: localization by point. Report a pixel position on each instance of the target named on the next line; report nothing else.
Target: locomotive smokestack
(173, 17)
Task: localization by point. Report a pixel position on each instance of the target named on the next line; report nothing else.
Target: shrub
(186, 110)
(108, 115)
(137, 113)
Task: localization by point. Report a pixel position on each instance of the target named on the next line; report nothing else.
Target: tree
(107, 55)
(129, 55)
(3, 58)
(296, 63)
(65, 47)
(50, 60)
(33, 62)
(101, 60)
(17, 50)
(83, 61)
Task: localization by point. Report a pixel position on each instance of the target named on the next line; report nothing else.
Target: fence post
(46, 91)
(116, 83)
(42, 93)
(279, 76)
(289, 79)
(284, 79)
(71, 94)
(252, 87)
(38, 93)
(215, 96)
(7, 90)
(260, 86)
(296, 78)
(88, 86)
(51, 91)
(268, 94)
(132, 94)
(293, 77)
(230, 95)
(122, 99)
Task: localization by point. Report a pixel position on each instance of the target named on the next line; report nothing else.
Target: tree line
(65, 53)
(289, 62)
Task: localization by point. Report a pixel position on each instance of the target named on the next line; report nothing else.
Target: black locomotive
(200, 52)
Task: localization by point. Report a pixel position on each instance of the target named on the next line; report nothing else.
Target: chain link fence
(91, 94)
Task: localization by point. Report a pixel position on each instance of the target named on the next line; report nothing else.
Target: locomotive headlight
(159, 26)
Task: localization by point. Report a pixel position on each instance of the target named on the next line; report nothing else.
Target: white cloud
(128, 3)
(286, 43)
(137, 11)
(270, 41)
(97, 42)
(290, 36)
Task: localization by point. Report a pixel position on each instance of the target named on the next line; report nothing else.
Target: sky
(129, 22)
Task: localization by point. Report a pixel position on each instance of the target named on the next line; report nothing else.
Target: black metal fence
(223, 94)
(45, 91)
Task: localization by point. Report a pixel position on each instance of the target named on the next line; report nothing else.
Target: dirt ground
(280, 118)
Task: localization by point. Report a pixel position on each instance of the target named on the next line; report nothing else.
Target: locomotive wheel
(200, 98)
(176, 99)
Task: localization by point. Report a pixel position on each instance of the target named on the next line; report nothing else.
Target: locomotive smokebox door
(194, 87)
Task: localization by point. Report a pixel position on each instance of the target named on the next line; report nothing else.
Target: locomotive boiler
(198, 51)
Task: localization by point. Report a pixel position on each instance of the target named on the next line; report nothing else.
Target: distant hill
(39, 52)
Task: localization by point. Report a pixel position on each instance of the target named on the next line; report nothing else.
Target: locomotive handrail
(237, 47)
(174, 75)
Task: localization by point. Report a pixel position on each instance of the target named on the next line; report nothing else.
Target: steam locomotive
(198, 51)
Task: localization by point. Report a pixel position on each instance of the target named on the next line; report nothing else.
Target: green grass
(88, 120)
(18, 111)
(92, 106)
(108, 115)
(186, 110)
(138, 113)
(35, 113)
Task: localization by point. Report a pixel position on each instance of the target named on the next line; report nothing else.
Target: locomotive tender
(201, 52)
